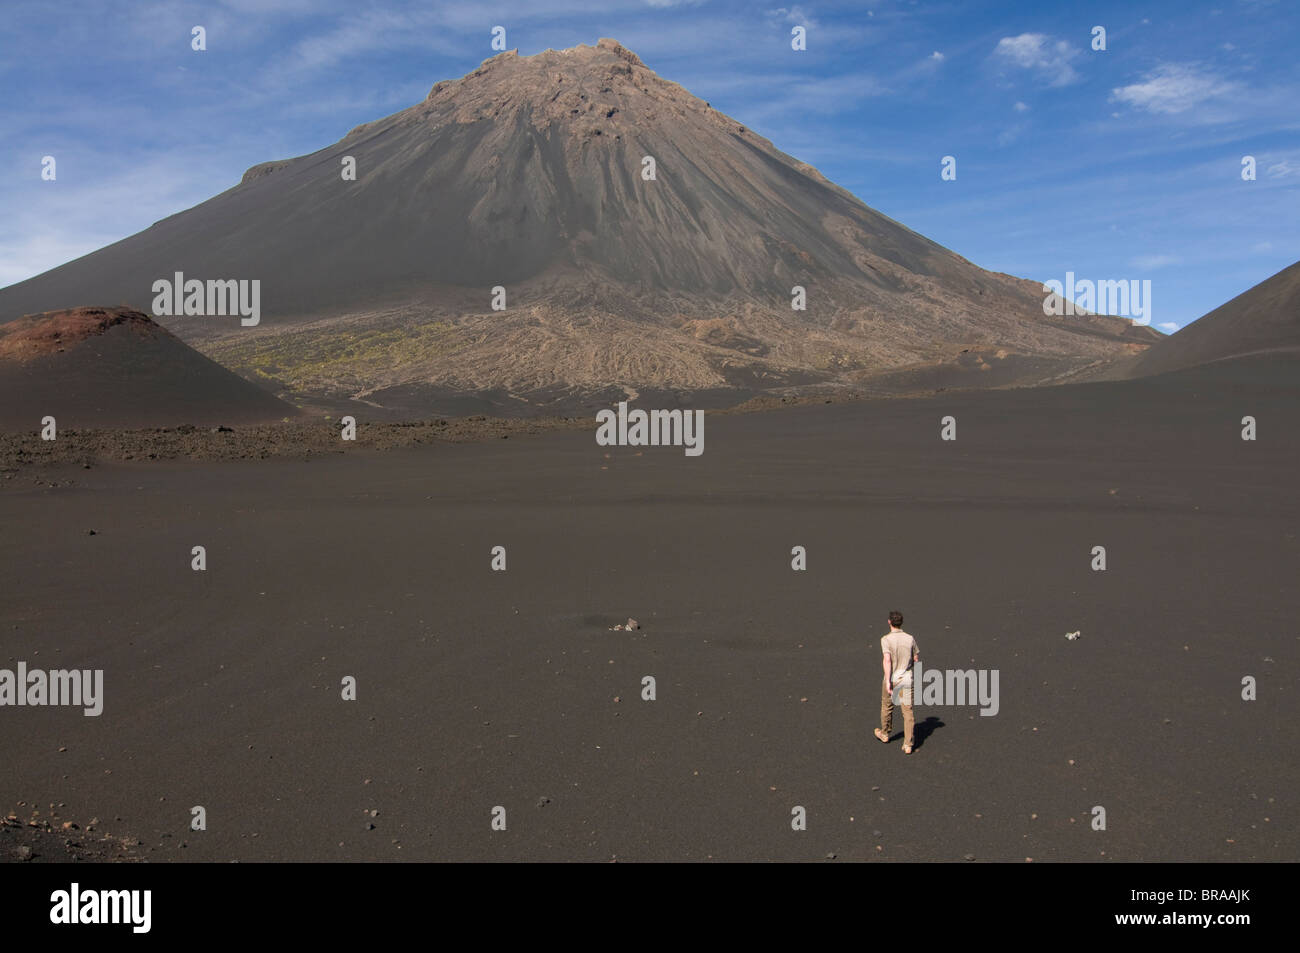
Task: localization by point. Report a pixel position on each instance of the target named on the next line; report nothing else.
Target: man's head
(895, 620)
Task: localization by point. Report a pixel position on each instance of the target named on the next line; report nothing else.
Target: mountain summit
(644, 241)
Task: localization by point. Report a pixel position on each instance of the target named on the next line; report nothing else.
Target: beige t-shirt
(900, 647)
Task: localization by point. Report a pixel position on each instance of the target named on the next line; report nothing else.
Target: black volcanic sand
(294, 439)
(303, 438)
(479, 689)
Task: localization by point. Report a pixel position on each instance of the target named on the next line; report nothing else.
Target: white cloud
(1151, 262)
(369, 32)
(1011, 133)
(56, 222)
(795, 14)
(1047, 58)
(828, 94)
(1020, 108)
(1174, 88)
(1168, 327)
(926, 66)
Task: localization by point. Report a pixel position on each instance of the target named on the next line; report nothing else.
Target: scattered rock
(1072, 635)
(970, 856)
(543, 801)
(23, 852)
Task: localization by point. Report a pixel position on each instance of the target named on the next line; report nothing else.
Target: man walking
(898, 651)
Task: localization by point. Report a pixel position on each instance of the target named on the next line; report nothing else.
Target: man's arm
(889, 669)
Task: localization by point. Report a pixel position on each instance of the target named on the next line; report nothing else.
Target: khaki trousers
(887, 712)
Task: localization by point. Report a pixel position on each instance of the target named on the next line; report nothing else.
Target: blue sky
(1122, 164)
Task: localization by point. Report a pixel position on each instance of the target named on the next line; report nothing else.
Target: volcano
(633, 239)
(116, 368)
(1264, 320)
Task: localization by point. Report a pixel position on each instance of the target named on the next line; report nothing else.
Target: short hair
(896, 619)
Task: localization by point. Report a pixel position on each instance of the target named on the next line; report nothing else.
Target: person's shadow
(924, 729)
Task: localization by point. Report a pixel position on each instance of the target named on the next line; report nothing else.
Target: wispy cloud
(795, 14)
(825, 95)
(1012, 133)
(1048, 59)
(367, 32)
(1283, 168)
(1174, 88)
(58, 221)
(1152, 262)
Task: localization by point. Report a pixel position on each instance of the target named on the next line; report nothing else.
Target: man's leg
(886, 709)
(909, 725)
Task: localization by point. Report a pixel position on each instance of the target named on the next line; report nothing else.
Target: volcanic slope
(1262, 320)
(531, 174)
(114, 367)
